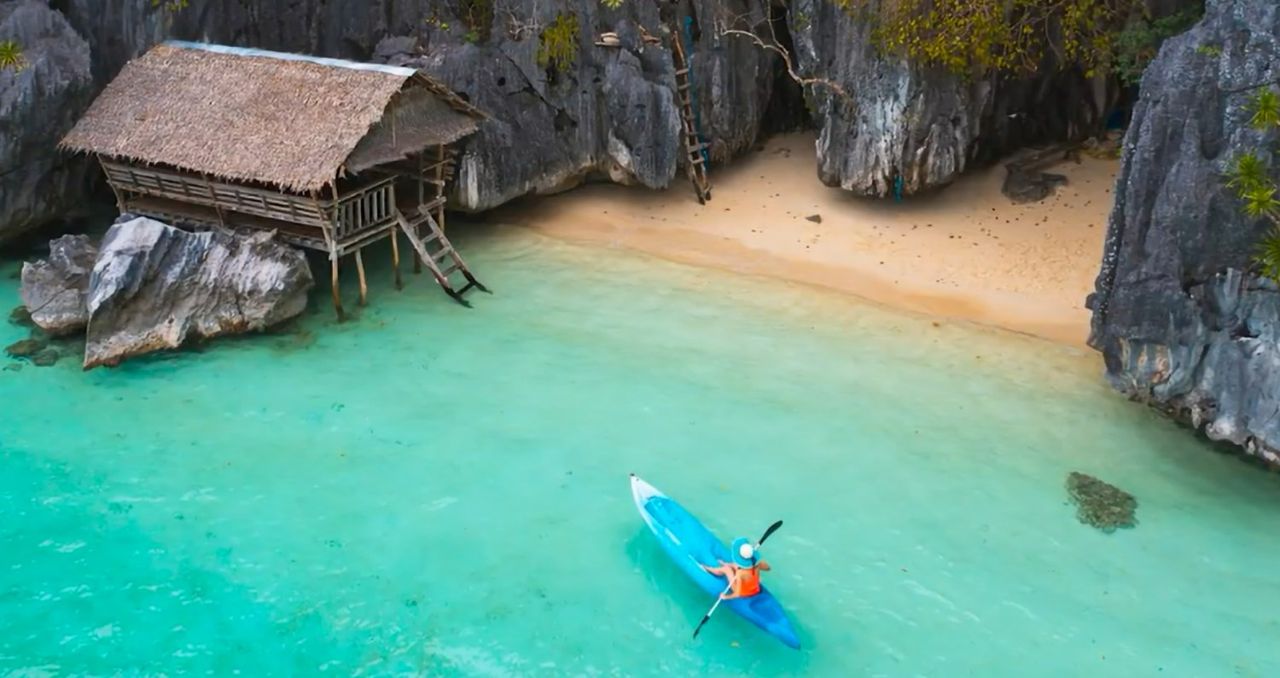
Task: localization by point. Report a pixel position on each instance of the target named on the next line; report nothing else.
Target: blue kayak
(690, 544)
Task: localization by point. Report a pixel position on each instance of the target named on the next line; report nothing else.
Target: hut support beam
(333, 281)
(364, 287)
(395, 257)
(440, 185)
(422, 199)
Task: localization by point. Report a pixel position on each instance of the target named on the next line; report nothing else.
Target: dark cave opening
(786, 110)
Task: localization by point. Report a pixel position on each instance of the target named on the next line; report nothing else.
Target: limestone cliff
(40, 99)
(1181, 321)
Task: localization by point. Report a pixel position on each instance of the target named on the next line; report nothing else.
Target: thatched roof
(251, 115)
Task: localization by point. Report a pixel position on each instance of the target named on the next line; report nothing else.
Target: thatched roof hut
(291, 121)
(331, 155)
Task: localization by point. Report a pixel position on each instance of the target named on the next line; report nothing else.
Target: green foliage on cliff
(558, 46)
(1250, 178)
(1139, 41)
(11, 57)
(1018, 35)
(477, 16)
(170, 5)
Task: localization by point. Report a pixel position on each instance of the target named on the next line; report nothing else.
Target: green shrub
(11, 57)
(1139, 42)
(558, 46)
(171, 5)
(1013, 35)
(477, 16)
(1251, 180)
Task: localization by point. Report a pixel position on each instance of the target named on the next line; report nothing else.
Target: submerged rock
(1180, 320)
(20, 316)
(46, 358)
(25, 348)
(54, 289)
(1100, 504)
(156, 287)
(40, 100)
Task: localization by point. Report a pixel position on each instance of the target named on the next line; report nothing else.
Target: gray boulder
(155, 287)
(1180, 320)
(893, 121)
(39, 101)
(53, 289)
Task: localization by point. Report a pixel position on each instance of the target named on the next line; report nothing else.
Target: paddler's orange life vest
(746, 582)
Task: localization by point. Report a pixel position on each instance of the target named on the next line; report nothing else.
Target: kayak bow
(690, 544)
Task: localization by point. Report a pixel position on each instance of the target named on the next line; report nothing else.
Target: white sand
(966, 253)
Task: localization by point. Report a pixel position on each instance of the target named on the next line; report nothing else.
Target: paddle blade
(700, 625)
(772, 528)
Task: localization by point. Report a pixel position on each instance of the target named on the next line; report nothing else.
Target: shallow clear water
(440, 490)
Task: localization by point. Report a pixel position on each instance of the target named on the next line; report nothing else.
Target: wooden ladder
(438, 254)
(695, 161)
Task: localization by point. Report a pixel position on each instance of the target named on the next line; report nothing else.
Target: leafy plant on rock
(477, 17)
(1250, 178)
(11, 57)
(1017, 35)
(1139, 42)
(558, 46)
(171, 6)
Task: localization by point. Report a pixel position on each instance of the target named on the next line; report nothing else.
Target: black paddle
(772, 528)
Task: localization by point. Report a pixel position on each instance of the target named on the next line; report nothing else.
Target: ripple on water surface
(435, 489)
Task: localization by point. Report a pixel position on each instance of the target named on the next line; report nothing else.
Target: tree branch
(786, 60)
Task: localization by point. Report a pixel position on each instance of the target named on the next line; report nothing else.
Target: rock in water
(39, 102)
(46, 358)
(155, 287)
(20, 315)
(53, 289)
(1099, 504)
(1180, 321)
(24, 348)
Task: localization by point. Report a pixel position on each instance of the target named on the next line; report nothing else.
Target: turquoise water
(442, 491)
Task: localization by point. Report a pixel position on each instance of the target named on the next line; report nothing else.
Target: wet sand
(966, 253)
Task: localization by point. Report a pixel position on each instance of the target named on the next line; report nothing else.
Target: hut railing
(199, 190)
(367, 207)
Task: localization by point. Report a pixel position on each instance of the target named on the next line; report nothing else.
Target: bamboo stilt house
(332, 155)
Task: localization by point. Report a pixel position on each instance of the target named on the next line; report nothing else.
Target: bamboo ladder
(435, 250)
(432, 247)
(695, 160)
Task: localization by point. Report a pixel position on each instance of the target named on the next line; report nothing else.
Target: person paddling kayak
(743, 573)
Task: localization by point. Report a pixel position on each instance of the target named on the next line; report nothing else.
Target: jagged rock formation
(1180, 321)
(54, 289)
(155, 287)
(894, 120)
(902, 129)
(39, 101)
(609, 114)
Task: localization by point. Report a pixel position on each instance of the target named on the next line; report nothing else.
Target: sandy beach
(966, 253)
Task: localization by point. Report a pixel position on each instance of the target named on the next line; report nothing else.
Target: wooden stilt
(395, 257)
(422, 199)
(440, 185)
(333, 280)
(364, 287)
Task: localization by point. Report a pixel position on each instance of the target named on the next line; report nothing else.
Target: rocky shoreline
(151, 287)
(1182, 320)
